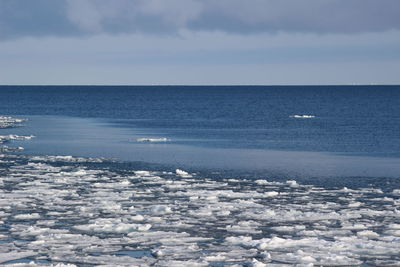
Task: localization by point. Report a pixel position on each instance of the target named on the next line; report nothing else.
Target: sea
(200, 175)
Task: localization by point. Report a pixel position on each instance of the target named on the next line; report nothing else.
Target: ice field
(66, 211)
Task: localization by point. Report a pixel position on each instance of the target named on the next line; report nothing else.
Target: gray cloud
(20, 18)
(34, 18)
(317, 16)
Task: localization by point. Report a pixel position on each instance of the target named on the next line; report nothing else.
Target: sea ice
(112, 226)
(160, 209)
(182, 173)
(302, 116)
(153, 140)
(68, 210)
(28, 216)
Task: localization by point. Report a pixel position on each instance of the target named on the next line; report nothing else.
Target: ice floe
(9, 122)
(153, 140)
(302, 116)
(182, 173)
(73, 213)
(112, 226)
(6, 138)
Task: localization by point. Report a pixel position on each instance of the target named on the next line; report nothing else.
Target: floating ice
(261, 182)
(12, 255)
(112, 226)
(302, 116)
(396, 192)
(153, 140)
(244, 227)
(29, 216)
(137, 218)
(67, 210)
(66, 159)
(10, 149)
(367, 234)
(256, 263)
(182, 173)
(289, 229)
(292, 183)
(6, 138)
(9, 122)
(143, 173)
(159, 209)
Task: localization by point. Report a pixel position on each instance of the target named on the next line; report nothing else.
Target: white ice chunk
(302, 116)
(27, 216)
(15, 255)
(112, 226)
(396, 192)
(355, 204)
(256, 263)
(137, 218)
(182, 173)
(292, 183)
(261, 182)
(153, 140)
(367, 234)
(161, 209)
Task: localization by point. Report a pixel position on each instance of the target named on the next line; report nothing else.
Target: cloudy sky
(199, 42)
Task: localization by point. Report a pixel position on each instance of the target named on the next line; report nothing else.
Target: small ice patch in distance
(153, 140)
(302, 116)
(292, 183)
(11, 137)
(142, 173)
(9, 122)
(261, 182)
(182, 173)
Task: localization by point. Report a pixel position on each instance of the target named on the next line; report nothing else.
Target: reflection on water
(95, 138)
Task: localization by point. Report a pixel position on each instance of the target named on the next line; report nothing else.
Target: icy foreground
(66, 210)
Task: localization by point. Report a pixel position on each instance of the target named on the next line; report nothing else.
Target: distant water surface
(314, 130)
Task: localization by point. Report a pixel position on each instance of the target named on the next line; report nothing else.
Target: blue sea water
(208, 176)
(353, 131)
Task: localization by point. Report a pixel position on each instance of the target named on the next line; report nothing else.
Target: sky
(199, 42)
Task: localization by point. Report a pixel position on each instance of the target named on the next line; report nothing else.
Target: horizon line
(200, 85)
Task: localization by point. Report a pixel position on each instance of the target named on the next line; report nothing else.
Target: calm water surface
(354, 131)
